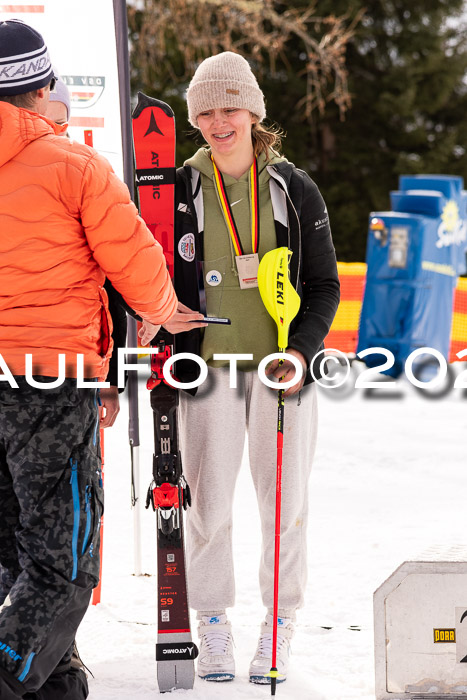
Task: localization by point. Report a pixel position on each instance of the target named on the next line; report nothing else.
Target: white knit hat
(224, 80)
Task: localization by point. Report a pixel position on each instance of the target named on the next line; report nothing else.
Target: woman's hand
(286, 371)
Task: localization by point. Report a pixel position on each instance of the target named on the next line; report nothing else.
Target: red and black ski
(154, 143)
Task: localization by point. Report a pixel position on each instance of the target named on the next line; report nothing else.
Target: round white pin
(213, 278)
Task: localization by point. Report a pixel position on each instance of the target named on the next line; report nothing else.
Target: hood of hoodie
(201, 160)
(20, 127)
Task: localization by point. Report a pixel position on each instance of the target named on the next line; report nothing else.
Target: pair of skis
(154, 143)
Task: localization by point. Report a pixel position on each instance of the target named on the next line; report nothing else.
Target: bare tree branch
(172, 37)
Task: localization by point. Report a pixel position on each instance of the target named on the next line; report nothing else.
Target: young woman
(240, 176)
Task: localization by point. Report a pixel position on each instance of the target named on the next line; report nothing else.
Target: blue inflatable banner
(415, 254)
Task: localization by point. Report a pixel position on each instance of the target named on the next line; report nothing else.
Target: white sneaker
(262, 661)
(216, 661)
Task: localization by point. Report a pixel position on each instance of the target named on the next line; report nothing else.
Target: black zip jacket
(302, 224)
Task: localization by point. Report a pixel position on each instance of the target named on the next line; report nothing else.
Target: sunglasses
(53, 83)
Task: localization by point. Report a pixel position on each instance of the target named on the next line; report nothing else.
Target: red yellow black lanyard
(227, 209)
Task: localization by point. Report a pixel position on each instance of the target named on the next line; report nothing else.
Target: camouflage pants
(51, 499)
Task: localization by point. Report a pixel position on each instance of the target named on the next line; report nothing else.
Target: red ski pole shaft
(283, 303)
(277, 533)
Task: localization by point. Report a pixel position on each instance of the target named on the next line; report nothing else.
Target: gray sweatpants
(212, 430)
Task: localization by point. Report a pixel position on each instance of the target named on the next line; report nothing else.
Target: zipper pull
(87, 498)
(74, 469)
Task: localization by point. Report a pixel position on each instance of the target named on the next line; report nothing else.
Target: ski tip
(145, 101)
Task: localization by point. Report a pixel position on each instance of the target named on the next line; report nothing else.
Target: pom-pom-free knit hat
(60, 93)
(224, 80)
(24, 61)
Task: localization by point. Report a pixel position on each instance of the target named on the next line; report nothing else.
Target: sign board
(80, 37)
(421, 629)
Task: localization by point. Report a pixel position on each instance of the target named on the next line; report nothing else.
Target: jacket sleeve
(119, 331)
(320, 281)
(122, 245)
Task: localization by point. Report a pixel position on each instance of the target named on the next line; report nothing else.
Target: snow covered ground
(388, 482)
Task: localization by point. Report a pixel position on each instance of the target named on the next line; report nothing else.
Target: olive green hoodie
(253, 330)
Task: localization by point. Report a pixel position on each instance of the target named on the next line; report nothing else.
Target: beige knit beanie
(224, 80)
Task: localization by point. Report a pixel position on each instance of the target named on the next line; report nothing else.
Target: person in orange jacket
(58, 110)
(66, 223)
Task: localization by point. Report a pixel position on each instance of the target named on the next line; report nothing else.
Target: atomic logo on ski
(153, 128)
(176, 651)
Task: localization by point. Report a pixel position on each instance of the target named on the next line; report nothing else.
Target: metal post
(121, 33)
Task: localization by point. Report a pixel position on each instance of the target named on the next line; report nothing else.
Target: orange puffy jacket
(67, 222)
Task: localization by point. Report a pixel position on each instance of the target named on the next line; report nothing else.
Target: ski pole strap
(227, 209)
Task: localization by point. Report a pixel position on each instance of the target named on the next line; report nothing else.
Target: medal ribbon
(227, 209)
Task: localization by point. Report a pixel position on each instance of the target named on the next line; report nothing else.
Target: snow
(387, 483)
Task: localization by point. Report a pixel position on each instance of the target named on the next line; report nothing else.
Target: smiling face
(228, 132)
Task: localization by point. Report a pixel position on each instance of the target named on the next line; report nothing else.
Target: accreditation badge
(247, 268)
